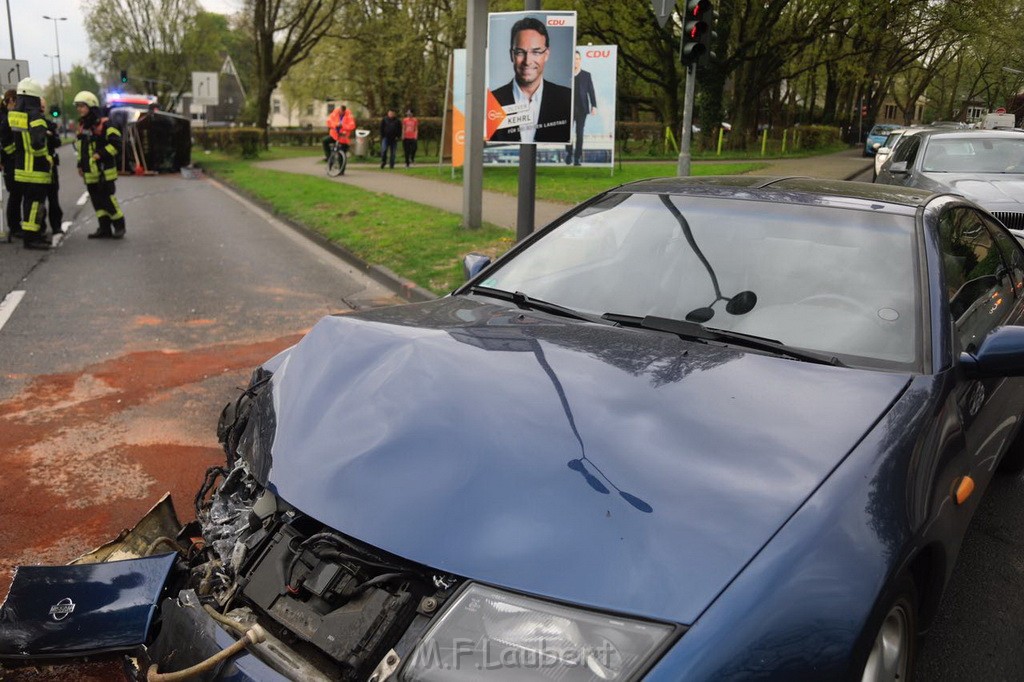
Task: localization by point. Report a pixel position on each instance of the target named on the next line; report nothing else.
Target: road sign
(205, 89)
(663, 10)
(12, 71)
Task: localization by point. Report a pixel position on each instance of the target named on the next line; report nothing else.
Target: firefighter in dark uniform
(99, 143)
(53, 208)
(23, 135)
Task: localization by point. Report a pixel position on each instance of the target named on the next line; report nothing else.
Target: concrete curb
(400, 286)
(866, 168)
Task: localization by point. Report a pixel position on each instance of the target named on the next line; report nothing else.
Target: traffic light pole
(683, 167)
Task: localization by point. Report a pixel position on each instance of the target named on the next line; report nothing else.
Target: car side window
(977, 279)
(906, 151)
(1012, 253)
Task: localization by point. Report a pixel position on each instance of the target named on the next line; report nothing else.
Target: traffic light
(55, 111)
(696, 43)
(124, 76)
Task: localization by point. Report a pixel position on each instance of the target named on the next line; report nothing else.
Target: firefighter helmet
(87, 98)
(27, 86)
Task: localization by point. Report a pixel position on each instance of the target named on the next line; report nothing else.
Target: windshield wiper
(525, 302)
(698, 332)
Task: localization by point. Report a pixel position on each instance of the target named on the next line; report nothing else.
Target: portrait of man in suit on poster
(536, 108)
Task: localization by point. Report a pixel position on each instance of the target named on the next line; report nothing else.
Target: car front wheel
(892, 652)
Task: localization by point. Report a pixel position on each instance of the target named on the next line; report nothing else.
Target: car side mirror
(876, 145)
(883, 150)
(473, 263)
(1001, 354)
(899, 168)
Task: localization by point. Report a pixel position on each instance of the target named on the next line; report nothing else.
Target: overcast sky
(34, 36)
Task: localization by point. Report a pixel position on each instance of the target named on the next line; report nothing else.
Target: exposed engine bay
(339, 603)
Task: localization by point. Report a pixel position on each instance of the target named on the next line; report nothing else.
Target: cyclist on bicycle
(340, 125)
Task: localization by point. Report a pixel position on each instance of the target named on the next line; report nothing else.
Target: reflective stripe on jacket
(30, 152)
(103, 140)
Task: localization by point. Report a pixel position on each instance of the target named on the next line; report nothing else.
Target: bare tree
(284, 32)
(157, 42)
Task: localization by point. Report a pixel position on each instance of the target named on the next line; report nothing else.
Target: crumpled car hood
(620, 469)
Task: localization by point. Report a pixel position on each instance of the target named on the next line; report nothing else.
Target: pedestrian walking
(54, 210)
(99, 143)
(23, 135)
(410, 137)
(390, 132)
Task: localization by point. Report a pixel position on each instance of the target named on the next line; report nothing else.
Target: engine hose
(224, 620)
(253, 635)
(163, 540)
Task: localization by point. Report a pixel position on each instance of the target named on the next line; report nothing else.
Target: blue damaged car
(696, 429)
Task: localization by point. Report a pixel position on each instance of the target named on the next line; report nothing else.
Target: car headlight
(490, 634)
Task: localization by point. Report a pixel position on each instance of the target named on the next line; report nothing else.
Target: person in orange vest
(340, 126)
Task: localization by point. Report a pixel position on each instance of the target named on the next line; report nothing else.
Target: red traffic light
(695, 8)
(696, 40)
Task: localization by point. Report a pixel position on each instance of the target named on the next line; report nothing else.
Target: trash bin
(362, 141)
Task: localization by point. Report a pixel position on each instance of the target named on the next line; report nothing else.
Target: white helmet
(27, 86)
(87, 98)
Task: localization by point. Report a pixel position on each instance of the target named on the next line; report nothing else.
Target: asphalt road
(120, 355)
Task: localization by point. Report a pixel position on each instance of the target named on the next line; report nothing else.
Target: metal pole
(473, 166)
(10, 28)
(860, 121)
(60, 73)
(526, 206)
(683, 167)
(444, 113)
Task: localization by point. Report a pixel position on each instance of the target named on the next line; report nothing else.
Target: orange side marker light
(963, 489)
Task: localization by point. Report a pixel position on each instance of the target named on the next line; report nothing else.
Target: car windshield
(880, 130)
(837, 280)
(975, 155)
(892, 139)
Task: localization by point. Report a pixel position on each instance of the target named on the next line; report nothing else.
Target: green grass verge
(420, 243)
(554, 183)
(573, 185)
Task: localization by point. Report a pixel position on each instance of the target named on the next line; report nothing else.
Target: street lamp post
(60, 72)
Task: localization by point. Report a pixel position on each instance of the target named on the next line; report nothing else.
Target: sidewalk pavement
(500, 209)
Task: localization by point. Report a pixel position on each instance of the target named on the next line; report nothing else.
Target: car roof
(789, 189)
(972, 133)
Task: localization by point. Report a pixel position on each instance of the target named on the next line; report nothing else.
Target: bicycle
(337, 160)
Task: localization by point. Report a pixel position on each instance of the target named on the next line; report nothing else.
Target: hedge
(632, 138)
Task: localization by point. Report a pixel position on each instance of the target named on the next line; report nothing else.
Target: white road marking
(82, 199)
(8, 305)
(65, 226)
(57, 239)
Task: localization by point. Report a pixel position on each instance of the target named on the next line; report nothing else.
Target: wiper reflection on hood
(692, 330)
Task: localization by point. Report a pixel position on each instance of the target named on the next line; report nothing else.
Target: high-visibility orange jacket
(341, 127)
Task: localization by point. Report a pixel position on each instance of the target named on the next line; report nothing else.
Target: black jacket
(390, 129)
(586, 99)
(553, 121)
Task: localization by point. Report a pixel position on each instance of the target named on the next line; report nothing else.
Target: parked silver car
(885, 149)
(986, 166)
